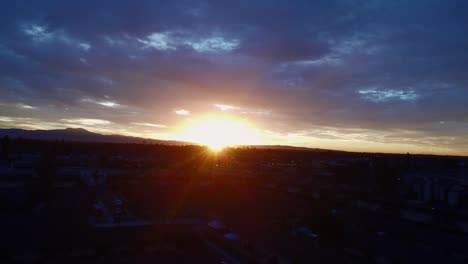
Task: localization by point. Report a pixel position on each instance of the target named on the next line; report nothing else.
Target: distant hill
(282, 147)
(286, 147)
(81, 135)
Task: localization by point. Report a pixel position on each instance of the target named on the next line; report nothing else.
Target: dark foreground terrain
(65, 202)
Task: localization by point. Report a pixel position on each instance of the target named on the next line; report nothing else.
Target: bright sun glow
(220, 133)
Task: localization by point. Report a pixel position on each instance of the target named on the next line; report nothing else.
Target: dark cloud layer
(382, 67)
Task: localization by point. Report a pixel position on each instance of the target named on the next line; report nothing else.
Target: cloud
(159, 41)
(214, 44)
(106, 103)
(150, 125)
(182, 112)
(85, 46)
(224, 107)
(109, 104)
(173, 40)
(87, 121)
(6, 119)
(25, 106)
(377, 95)
(37, 32)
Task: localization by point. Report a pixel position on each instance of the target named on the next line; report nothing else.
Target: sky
(378, 76)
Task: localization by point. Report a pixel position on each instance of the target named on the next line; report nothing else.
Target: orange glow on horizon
(218, 133)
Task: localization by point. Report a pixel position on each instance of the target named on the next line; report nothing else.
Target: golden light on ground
(218, 133)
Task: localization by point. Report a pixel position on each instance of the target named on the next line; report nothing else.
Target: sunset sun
(220, 133)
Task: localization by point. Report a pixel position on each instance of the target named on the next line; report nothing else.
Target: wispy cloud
(225, 107)
(37, 32)
(182, 112)
(42, 33)
(25, 106)
(86, 121)
(159, 41)
(257, 112)
(106, 103)
(109, 104)
(85, 46)
(149, 125)
(6, 119)
(380, 95)
(173, 40)
(214, 44)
